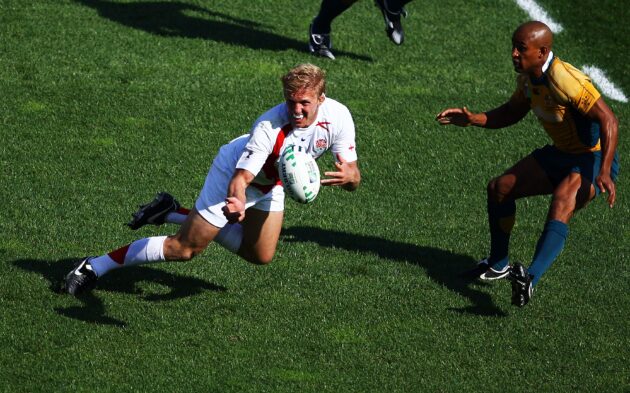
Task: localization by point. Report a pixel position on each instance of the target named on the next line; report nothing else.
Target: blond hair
(304, 77)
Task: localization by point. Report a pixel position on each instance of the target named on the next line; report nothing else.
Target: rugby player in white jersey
(242, 201)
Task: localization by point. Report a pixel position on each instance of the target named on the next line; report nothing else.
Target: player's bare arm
(506, 115)
(347, 175)
(461, 117)
(502, 116)
(602, 113)
(234, 209)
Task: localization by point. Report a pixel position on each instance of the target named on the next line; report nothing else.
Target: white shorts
(212, 196)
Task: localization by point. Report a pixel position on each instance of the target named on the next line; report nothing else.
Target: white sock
(230, 237)
(147, 250)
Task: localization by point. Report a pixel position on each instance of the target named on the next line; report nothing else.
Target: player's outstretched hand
(605, 183)
(234, 210)
(458, 116)
(347, 175)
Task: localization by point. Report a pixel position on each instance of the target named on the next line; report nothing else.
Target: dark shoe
(522, 289)
(483, 271)
(393, 25)
(492, 274)
(154, 212)
(320, 44)
(81, 279)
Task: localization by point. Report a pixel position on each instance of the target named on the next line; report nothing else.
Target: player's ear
(322, 97)
(543, 51)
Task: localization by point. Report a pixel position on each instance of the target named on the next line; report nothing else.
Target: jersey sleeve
(344, 145)
(258, 148)
(575, 87)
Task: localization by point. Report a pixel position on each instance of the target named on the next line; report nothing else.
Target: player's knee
(261, 259)
(498, 189)
(492, 190)
(257, 258)
(257, 255)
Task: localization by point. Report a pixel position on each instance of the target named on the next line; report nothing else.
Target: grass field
(105, 103)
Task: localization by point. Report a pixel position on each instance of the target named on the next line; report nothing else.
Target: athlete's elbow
(614, 124)
(610, 127)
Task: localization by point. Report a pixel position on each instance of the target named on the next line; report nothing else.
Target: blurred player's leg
(328, 11)
(393, 11)
(320, 42)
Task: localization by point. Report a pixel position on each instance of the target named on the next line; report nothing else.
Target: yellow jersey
(560, 99)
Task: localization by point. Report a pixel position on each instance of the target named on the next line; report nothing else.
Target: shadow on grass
(178, 19)
(93, 309)
(441, 266)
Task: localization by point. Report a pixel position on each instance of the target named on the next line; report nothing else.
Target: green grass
(104, 104)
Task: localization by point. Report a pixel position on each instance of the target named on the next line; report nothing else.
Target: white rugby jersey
(333, 130)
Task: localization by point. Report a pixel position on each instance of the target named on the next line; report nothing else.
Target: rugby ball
(299, 174)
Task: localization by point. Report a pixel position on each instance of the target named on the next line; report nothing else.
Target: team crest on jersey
(320, 145)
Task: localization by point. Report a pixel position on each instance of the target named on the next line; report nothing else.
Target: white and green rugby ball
(299, 174)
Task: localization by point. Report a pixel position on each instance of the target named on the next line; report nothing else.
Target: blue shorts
(558, 164)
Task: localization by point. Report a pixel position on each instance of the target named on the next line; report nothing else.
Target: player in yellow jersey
(581, 163)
